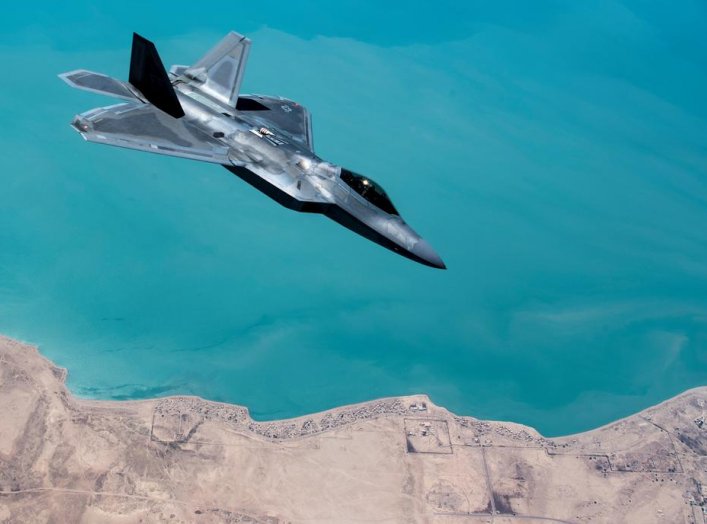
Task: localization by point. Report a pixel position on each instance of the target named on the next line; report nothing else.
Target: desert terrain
(184, 459)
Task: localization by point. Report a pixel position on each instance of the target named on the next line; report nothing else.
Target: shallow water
(556, 157)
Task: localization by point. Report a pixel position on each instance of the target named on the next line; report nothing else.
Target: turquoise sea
(553, 152)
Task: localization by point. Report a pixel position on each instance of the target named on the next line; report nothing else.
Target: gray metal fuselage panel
(305, 181)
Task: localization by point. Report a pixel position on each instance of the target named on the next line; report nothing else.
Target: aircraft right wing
(146, 128)
(285, 115)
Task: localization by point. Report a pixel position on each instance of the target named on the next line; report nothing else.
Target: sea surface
(554, 153)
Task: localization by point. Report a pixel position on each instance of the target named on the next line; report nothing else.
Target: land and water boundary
(403, 459)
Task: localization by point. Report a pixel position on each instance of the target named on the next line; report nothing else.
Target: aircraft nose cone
(424, 251)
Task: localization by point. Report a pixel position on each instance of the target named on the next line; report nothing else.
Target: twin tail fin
(148, 75)
(148, 80)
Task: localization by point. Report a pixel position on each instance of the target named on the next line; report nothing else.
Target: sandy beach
(404, 459)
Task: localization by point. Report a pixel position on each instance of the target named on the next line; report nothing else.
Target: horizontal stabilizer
(148, 75)
(98, 83)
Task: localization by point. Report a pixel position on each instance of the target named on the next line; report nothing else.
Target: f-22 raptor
(197, 112)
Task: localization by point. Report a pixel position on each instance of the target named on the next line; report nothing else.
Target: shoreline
(186, 459)
(107, 402)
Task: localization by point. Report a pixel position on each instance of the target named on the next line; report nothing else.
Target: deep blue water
(554, 153)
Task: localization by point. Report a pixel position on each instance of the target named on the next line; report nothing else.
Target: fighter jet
(197, 112)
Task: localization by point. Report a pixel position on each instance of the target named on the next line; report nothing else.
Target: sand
(403, 459)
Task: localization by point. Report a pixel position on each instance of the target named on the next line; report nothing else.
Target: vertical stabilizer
(219, 73)
(148, 75)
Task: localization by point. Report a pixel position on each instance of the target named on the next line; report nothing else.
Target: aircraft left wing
(146, 128)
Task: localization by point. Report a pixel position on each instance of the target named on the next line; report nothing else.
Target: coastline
(403, 459)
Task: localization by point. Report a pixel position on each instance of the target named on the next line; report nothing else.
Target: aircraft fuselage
(299, 178)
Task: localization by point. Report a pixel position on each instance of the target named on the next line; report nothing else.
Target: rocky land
(185, 459)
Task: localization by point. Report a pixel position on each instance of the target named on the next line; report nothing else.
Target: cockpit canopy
(369, 190)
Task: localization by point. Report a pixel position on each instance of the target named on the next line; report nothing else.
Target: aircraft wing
(146, 128)
(285, 115)
(291, 118)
